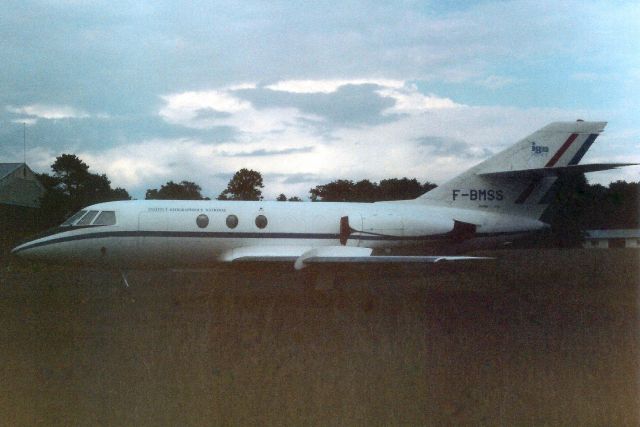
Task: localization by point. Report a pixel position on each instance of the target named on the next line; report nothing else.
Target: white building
(19, 186)
(604, 239)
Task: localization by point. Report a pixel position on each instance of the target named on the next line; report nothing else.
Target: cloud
(329, 86)
(254, 110)
(298, 178)
(102, 50)
(410, 101)
(149, 164)
(154, 161)
(348, 105)
(264, 152)
(494, 82)
(29, 121)
(221, 107)
(187, 108)
(451, 147)
(210, 114)
(49, 112)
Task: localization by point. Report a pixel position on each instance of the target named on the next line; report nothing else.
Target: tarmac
(536, 337)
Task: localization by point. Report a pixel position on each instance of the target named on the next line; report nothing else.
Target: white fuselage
(168, 232)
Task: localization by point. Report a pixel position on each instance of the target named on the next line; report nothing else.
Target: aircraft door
(152, 237)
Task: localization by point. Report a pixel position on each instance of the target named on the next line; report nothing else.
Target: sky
(309, 92)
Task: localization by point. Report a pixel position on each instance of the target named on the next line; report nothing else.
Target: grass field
(533, 338)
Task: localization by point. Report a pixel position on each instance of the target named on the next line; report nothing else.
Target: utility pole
(24, 141)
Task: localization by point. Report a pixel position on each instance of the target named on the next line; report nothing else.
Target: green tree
(72, 187)
(185, 190)
(341, 190)
(577, 206)
(622, 200)
(246, 184)
(568, 208)
(403, 189)
(366, 191)
(71, 173)
(283, 198)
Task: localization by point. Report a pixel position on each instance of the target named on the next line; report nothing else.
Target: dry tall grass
(534, 338)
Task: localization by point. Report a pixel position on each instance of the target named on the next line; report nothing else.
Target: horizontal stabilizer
(554, 171)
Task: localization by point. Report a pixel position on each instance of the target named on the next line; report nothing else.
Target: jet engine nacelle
(406, 225)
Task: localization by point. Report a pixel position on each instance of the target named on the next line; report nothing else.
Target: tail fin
(517, 180)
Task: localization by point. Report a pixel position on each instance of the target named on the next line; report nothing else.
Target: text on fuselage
(478, 194)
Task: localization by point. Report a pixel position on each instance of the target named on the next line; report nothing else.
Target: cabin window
(261, 221)
(202, 220)
(232, 221)
(105, 218)
(73, 219)
(86, 220)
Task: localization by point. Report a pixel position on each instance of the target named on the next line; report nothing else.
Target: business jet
(500, 197)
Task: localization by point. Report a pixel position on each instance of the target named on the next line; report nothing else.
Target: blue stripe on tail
(583, 150)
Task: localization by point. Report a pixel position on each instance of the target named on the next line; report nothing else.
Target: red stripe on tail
(562, 150)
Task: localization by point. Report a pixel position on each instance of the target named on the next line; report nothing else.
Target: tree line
(576, 206)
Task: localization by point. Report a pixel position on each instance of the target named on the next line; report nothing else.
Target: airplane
(497, 199)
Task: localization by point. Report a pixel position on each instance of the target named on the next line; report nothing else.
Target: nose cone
(38, 248)
(25, 249)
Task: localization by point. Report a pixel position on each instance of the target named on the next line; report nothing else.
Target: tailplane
(518, 180)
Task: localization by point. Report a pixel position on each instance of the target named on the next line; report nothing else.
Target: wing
(303, 257)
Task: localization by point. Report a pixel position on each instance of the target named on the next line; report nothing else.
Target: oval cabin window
(202, 220)
(261, 221)
(232, 221)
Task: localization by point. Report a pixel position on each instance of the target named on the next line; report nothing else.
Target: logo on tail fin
(539, 149)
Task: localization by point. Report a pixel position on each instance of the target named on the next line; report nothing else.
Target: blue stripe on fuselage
(197, 234)
(215, 235)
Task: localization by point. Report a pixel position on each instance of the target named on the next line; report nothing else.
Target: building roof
(7, 168)
(628, 233)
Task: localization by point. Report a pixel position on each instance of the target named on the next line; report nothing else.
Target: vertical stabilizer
(555, 146)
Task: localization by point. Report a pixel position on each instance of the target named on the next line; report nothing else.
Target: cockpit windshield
(105, 218)
(86, 220)
(73, 218)
(90, 218)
